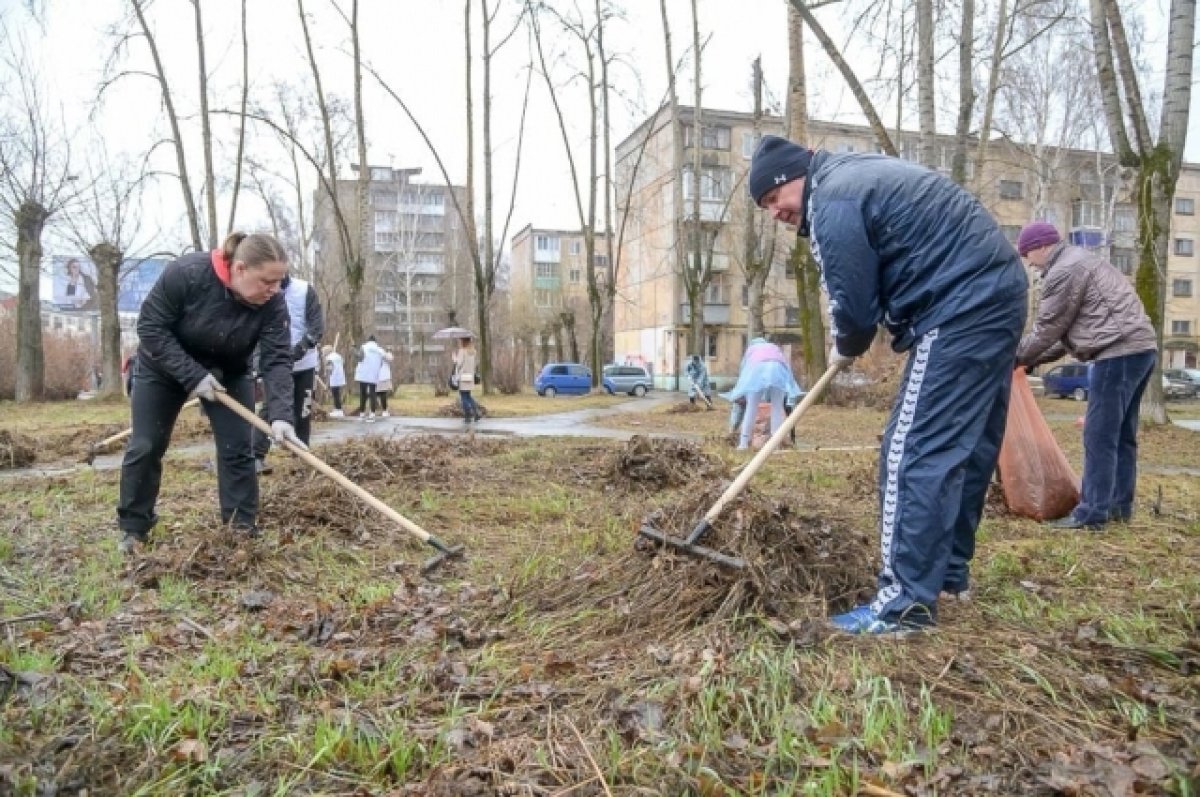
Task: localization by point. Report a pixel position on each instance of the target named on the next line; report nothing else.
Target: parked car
(632, 379)
(566, 378)
(1177, 389)
(1067, 380)
(1185, 376)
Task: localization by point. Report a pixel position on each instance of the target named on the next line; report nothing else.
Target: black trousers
(366, 390)
(155, 404)
(302, 399)
(382, 396)
(337, 397)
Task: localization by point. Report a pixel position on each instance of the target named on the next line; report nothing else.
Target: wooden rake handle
(774, 442)
(119, 436)
(317, 464)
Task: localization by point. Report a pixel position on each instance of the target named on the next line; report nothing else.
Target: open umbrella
(453, 332)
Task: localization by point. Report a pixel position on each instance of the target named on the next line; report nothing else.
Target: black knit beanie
(776, 161)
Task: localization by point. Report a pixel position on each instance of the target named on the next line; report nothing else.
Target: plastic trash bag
(1038, 481)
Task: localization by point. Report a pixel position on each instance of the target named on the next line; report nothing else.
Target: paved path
(569, 423)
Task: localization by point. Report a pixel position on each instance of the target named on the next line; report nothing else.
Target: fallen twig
(28, 618)
(587, 752)
(199, 629)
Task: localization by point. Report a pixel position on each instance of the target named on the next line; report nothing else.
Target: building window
(714, 182)
(711, 137)
(545, 270)
(1012, 189)
(576, 247)
(749, 144)
(844, 148)
(710, 344)
(541, 297)
(745, 296)
(574, 275)
(600, 261)
(1123, 260)
(1181, 288)
(791, 316)
(1087, 214)
(546, 243)
(381, 173)
(1184, 247)
(1011, 232)
(1124, 219)
(1185, 206)
(716, 292)
(1181, 327)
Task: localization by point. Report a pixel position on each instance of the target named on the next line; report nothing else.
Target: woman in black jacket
(197, 329)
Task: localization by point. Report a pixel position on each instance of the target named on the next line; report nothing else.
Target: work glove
(207, 389)
(284, 432)
(837, 358)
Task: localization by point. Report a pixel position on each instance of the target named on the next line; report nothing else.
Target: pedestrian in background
(384, 385)
(700, 385)
(366, 373)
(764, 375)
(901, 245)
(1090, 310)
(197, 330)
(307, 322)
(335, 369)
(463, 378)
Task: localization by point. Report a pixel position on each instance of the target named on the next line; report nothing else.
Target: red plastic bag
(1038, 481)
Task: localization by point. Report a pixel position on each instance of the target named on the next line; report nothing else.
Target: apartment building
(418, 273)
(548, 275)
(1080, 191)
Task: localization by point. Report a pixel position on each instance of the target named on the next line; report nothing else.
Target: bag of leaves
(1038, 481)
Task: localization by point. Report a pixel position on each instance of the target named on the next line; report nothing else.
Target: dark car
(1067, 380)
(566, 378)
(632, 379)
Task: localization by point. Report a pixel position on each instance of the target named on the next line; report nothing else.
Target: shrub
(68, 361)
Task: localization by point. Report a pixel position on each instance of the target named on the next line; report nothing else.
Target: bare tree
(105, 223)
(160, 76)
(206, 138)
(1156, 164)
(966, 92)
(856, 87)
(758, 239)
(241, 145)
(925, 84)
(35, 184)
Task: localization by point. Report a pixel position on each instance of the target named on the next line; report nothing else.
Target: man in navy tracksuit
(903, 246)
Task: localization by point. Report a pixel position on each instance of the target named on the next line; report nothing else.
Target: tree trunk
(700, 277)
(925, 87)
(108, 259)
(677, 228)
(210, 180)
(804, 267)
(356, 263)
(989, 97)
(966, 92)
(30, 220)
(241, 146)
(606, 298)
(860, 94)
(754, 265)
(185, 186)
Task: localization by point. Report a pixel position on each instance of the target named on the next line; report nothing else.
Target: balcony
(547, 283)
(714, 313)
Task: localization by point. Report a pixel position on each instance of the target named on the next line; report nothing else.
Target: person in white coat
(384, 385)
(366, 373)
(335, 370)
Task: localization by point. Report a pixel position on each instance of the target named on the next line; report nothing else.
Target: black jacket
(191, 324)
(901, 245)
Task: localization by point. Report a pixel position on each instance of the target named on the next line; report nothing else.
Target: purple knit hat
(1036, 235)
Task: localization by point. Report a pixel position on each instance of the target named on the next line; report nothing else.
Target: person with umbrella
(464, 377)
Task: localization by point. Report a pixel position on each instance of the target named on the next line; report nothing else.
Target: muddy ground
(564, 656)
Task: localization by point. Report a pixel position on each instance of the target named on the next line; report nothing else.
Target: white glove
(207, 389)
(837, 358)
(284, 432)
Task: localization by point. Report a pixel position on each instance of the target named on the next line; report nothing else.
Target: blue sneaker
(864, 620)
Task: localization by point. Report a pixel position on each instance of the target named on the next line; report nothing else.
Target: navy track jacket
(190, 324)
(902, 245)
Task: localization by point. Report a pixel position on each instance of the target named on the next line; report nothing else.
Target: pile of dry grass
(427, 458)
(659, 463)
(16, 451)
(454, 410)
(798, 566)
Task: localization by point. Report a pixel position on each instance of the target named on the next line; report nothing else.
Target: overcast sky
(418, 47)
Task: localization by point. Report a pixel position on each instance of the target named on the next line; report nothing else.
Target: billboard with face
(75, 283)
